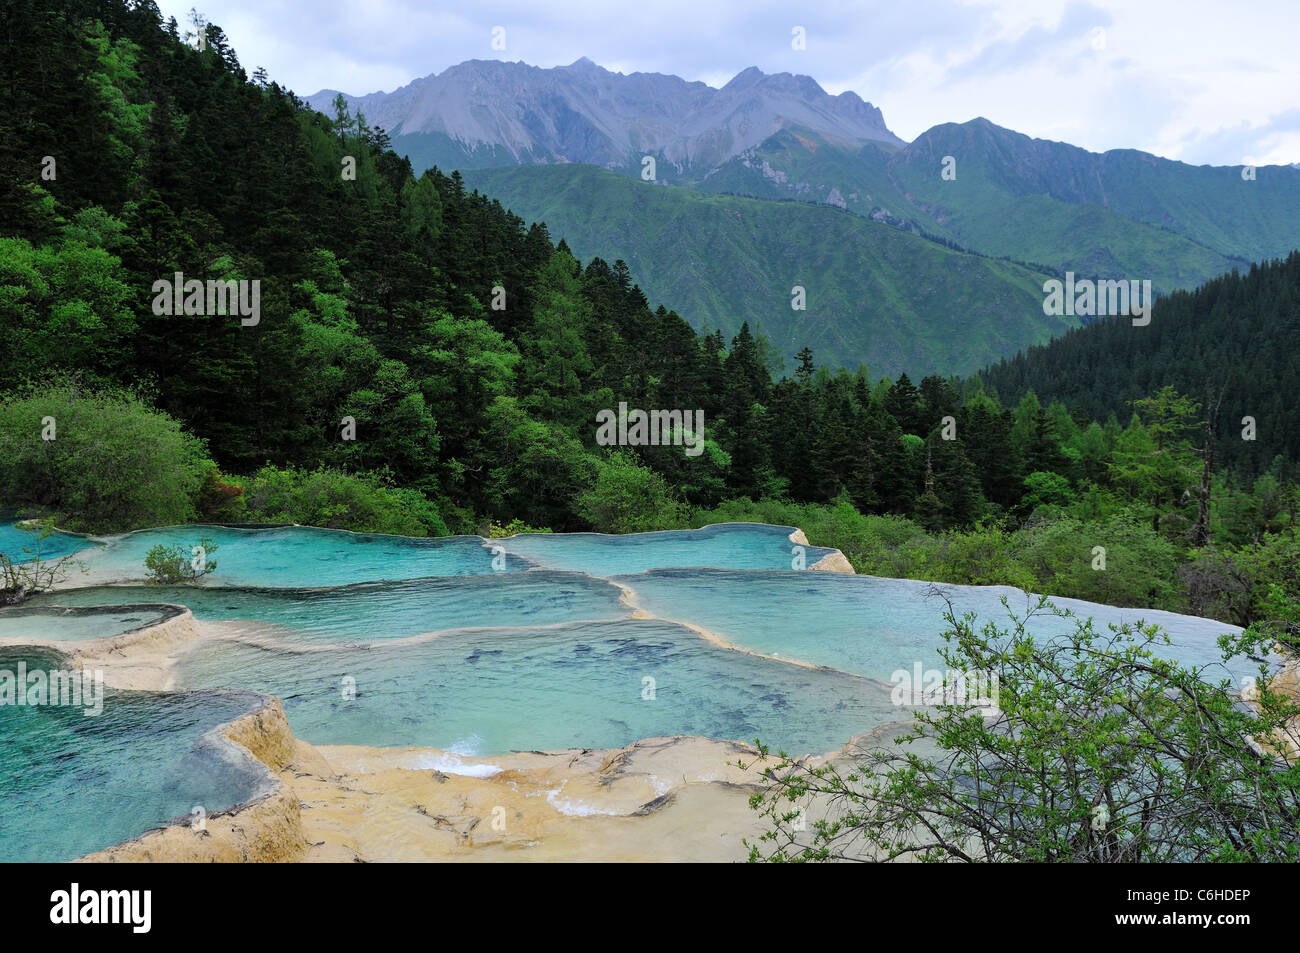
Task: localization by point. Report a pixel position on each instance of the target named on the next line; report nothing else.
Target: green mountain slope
(1211, 205)
(875, 294)
(1121, 214)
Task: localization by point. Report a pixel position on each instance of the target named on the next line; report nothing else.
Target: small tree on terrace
(29, 571)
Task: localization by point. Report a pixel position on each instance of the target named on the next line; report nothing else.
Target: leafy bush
(984, 556)
(1280, 618)
(1055, 557)
(220, 500)
(513, 528)
(1274, 560)
(629, 498)
(1140, 564)
(839, 525)
(168, 565)
(1096, 750)
(363, 503)
(104, 460)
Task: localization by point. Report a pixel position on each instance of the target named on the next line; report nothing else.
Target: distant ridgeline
(924, 257)
(419, 335)
(1237, 334)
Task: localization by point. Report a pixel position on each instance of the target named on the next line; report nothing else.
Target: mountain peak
(583, 112)
(750, 76)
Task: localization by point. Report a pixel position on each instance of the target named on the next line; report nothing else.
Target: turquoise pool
(367, 612)
(873, 626)
(480, 647)
(19, 543)
(580, 685)
(297, 556)
(302, 556)
(71, 783)
(723, 546)
(43, 624)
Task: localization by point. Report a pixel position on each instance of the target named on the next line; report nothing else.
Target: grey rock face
(584, 113)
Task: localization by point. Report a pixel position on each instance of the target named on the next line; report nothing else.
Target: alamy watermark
(66, 688)
(922, 686)
(132, 908)
(175, 296)
(1088, 298)
(655, 428)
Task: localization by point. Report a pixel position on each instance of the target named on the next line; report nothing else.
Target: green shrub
(220, 500)
(1272, 570)
(513, 528)
(168, 565)
(870, 543)
(1140, 564)
(1098, 750)
(629, 498)
(103, 460)
(363, 502)
(983, 556)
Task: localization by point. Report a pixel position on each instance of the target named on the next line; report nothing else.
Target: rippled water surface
(75, 625)
(377, 611)
(72, 783)
(586, 685)
(475, 646)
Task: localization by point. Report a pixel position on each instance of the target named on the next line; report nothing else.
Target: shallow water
(481, 647)
(581, 685)
(71, 783)
(296, 556)
(42, 624)
(378, 611)
(739, 546)
(873, 626)
(301, 556)
(20, 543)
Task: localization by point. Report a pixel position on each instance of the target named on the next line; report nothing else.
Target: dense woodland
(377, 303)
(1230, 343)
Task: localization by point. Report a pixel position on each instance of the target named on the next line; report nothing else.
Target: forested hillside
(1231, 342)
(874, 294)
(427, 362)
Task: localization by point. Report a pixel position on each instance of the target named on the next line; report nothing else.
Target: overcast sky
(1204, 82)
